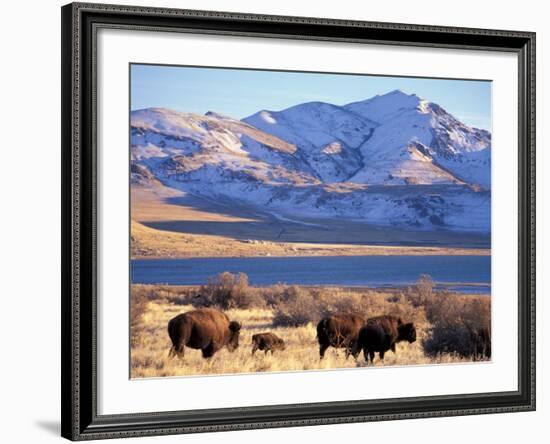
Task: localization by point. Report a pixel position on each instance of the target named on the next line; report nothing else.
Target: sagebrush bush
(300, 306)
(140, 297)
(461, 325)
(173, 294)
(227, 291)
(423, 292)
(297, 306)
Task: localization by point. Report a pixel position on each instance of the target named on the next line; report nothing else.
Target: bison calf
(380, 334)
(339, 331)
(267, 342)
(206, 329)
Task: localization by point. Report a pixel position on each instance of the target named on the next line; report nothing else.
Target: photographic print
(292, 221)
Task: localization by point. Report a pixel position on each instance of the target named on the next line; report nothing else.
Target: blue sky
(240, 93)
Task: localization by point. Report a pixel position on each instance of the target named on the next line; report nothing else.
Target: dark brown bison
(339, 331)
(380, 334)
(267, 342)
(206, 329)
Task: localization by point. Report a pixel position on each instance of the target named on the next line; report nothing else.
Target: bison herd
(356, 334)
(210, 330)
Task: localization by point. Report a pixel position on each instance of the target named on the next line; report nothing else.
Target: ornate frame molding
(80, 420)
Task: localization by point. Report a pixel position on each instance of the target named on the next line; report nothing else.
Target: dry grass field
(292, 312)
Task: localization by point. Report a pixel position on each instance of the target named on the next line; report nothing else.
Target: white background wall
(30, 222)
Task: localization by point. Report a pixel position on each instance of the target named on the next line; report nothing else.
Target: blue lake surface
(458, 273)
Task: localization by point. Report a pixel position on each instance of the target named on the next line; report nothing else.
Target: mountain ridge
(370, 160)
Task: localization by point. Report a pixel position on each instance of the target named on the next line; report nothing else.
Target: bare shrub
(173, 294)
(423, 292)
(275, 294)
(460, 325)
(228, 291)
(341, 301)
(297, 306)
(139, 299)
(368, 303)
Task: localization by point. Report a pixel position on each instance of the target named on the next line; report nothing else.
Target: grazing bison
(380, 334)
(267, 342)
(206, 329)
(339, 331)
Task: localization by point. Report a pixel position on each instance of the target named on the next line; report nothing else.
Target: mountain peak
(217, 115)
(313, 104)
(314, 126)
(396, 92)
(379, 107)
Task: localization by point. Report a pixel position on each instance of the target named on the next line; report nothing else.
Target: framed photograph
(282, 221)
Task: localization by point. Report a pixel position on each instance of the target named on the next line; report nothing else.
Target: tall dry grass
(292, 312)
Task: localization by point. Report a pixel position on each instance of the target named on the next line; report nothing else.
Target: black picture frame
(80, 420)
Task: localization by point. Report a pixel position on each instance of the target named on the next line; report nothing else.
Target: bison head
(234, 330)
(353, 348)
(407, 332)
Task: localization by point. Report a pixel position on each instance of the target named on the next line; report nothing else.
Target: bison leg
(322, 350)
(178, 351)
(254, 348)
(371, 356)
(381, 354)
(208, 351)
(392, 347)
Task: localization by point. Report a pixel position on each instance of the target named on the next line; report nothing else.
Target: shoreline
(321, 250)
(391, 289)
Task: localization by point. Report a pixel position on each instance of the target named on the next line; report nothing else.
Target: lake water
(458, 273)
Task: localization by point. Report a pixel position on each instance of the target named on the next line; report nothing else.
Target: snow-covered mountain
(416, 134)
(190, 147)
(328, 136)
(394, 159)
